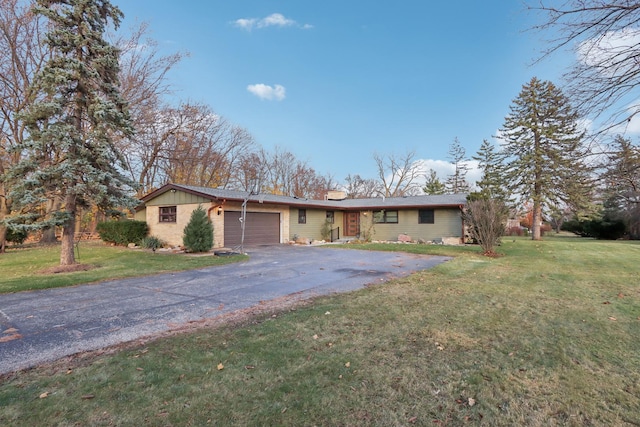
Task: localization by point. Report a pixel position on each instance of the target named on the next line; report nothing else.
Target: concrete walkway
(43, 326)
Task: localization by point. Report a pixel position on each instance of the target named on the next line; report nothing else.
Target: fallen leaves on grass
(67, 268)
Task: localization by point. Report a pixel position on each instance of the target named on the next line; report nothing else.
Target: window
(330, 217)
(385, 217)
(426, 216)
(302, 216)
(168, 214)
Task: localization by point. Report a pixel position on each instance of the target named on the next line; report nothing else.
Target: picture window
(385, 217)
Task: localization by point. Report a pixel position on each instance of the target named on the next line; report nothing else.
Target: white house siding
(447, 223)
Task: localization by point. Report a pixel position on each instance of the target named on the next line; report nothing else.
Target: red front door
(352, 224)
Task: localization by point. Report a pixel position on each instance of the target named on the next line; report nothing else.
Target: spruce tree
(433, 185)
(457, 182)
(198, 234)
(492, 184)
(76, 116)
(621, 184)
(543, 150)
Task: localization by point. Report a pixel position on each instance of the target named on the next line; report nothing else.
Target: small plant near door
(325, 230)
(367, 228)
(198, 234)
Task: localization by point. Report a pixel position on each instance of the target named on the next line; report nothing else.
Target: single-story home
(273, 219)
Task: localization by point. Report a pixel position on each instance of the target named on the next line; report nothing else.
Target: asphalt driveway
(42, 326)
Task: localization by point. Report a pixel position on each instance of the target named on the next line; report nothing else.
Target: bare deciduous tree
(203, 148)
(398, 174)
(22, 55)
(606, 38)
(357, 187)
(144, 84)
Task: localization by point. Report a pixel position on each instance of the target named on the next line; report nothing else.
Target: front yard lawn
(28, 268)
(548, 334)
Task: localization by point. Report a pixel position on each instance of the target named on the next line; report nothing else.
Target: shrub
(151, 242)
(325, 230)
(198, 234)
(122, 232)
(603, 228)
(545, 228)
(515, 231)
(486, 219)
(16, 236)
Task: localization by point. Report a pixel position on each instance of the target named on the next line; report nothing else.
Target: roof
(444, 200)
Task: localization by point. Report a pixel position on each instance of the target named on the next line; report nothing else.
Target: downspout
(462, 222)
(218, 206)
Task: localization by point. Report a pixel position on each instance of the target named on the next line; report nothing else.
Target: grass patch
(548, 334)
(35, 267)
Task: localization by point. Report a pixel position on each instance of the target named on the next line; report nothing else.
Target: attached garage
(261, 228)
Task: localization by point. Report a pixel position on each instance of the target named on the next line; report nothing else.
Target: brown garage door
(261, 228)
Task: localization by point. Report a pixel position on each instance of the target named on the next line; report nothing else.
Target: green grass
(548, 334)
(23, 269)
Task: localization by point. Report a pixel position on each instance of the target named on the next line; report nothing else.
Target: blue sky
(335, 81)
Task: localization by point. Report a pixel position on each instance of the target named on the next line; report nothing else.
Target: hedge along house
(273, 219)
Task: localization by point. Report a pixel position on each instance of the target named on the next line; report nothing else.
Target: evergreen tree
(492, 184)
(457, 182)
(544, 156)
(198, 234)
(73, 121)
(621, 181)
(433, 186)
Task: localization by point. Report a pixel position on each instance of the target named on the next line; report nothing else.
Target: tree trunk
(67, 250)
(3, 239)
(49, 233)
(4, 211)
(535, 226)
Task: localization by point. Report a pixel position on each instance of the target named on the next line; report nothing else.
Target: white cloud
(613, 54)
(245, 24)
(443, 169)
(273, 20)
(271, 93)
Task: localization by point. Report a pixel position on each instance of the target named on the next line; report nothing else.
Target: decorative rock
(132, 246)
(303, 241)
(404, 238)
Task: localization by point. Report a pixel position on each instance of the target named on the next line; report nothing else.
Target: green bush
(601, 228)
(151, 242)
(16, 236)
(122, 232)
(198, 234)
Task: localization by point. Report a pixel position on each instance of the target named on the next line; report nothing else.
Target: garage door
(261, 228)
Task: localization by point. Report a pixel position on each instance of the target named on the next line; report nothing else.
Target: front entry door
(352, 224)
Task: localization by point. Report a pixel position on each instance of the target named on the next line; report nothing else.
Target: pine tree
(457, 182)
(73, 121)
(544, 156)
(621, 182)
(198, 234)
(433, 186)
(492, 184)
